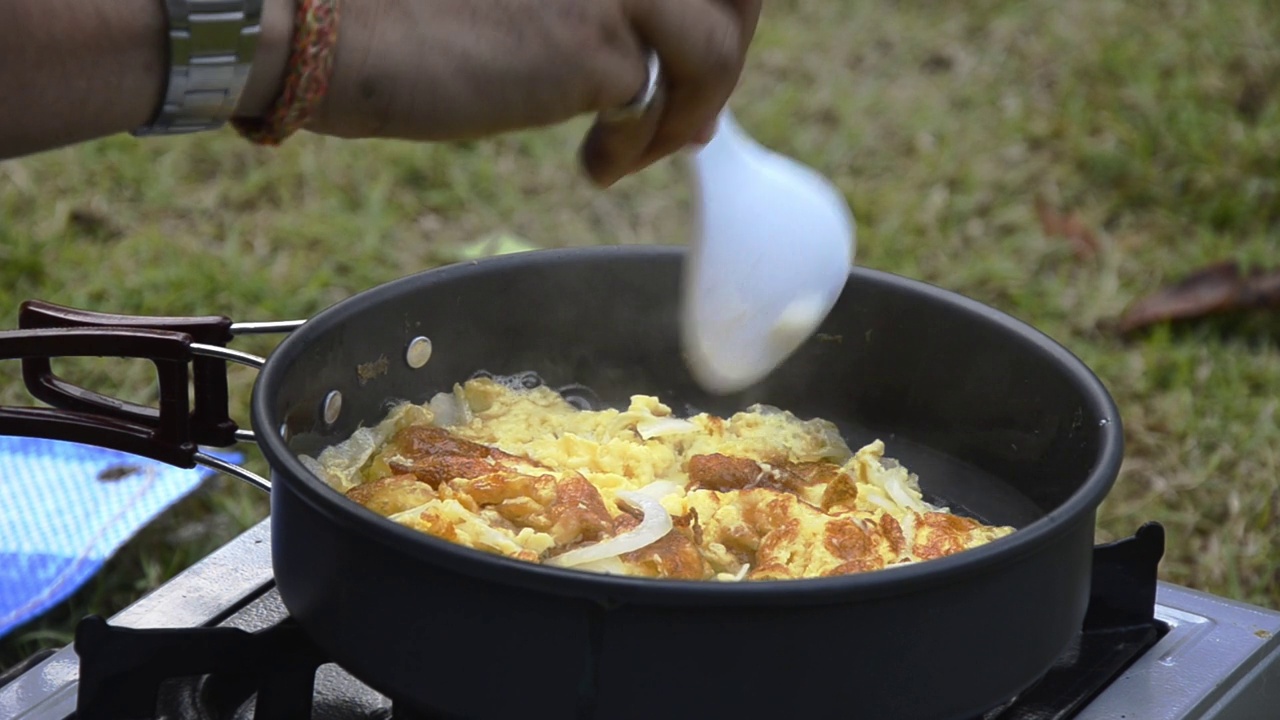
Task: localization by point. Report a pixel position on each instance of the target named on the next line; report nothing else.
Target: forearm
(76, 70)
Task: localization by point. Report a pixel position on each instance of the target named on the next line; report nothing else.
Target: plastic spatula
(772, 248)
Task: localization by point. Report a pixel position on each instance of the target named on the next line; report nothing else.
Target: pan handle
(80, 415)
(172, 432)
(209, 423)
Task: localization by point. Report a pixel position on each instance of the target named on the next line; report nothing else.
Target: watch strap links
(211, 49)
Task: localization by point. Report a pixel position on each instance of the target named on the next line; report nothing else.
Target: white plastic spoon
(772, 249)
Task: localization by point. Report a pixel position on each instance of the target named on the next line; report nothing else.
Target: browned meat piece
(436, 469)
(844, 539)
(427, 440)
(391, 495)
(841, 491)
(940, 534)
(570, 510)
(779, 535)
(500, 487)
(689, 522)
(578, 512)
(723, 473)
(434, 455)
(806, 474)
(891, 530)
(766, 511)
(778, 545)
(674, 557)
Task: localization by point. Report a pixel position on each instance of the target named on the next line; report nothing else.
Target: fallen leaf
(1084, 243)
(1213, 290)
(491, 245)
(937, 62)
(94, 223)
(1257, 86)
(113, 473)
(1253, 98)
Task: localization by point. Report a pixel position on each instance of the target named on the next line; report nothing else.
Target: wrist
(211, 49)
(266, 76)
(358, 102)
(307, 75)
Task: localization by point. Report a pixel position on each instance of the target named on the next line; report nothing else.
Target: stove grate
(122, 670)
(1119, 626)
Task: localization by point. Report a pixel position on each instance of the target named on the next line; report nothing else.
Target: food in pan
(760, 495)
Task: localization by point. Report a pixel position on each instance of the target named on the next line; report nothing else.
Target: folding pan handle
(79, 415)
(173, 431)
(209, 422)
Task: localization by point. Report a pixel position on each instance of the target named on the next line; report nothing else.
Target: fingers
(702, 45)
(614, 148)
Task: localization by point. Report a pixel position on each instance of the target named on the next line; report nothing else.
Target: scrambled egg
(760, 495)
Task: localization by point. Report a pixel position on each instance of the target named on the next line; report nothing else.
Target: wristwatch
(211, 47)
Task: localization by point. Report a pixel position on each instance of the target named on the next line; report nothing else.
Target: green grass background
(1157, 123)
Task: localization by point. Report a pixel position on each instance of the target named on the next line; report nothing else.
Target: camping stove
(216, 642)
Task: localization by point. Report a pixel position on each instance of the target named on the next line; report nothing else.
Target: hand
(76, 70)
(460, 69)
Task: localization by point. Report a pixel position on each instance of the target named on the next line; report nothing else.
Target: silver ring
(639, 105)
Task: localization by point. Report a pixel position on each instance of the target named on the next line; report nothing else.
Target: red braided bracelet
(310, 66)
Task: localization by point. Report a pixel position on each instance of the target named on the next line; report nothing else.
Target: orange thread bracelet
(307, 82)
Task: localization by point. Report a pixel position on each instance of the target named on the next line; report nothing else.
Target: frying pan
(998, 420)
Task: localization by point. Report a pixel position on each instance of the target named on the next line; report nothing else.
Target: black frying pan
(998, 421)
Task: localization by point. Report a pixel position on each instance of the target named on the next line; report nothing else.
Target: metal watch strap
(211, 48)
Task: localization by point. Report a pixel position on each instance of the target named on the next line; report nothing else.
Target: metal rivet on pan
(419, 352)
(332, 407)
(284, 431)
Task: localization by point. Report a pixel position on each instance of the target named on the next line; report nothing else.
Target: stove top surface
(1215, 659)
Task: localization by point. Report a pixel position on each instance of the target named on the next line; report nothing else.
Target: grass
(1156, 123)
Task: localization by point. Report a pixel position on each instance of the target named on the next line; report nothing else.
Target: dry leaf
(94, 223)
(490, 245)
(1084, 243)
(1213, 290)
(113, 473)
(1253, 97)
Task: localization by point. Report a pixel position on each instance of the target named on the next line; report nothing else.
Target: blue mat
(65, 509)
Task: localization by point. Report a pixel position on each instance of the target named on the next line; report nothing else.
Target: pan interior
(996, 420)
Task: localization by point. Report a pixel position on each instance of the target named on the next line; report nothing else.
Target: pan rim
(290, 475)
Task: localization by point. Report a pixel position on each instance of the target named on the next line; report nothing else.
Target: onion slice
(655, 526)
(900, 494)
(652, 427)
(659, 489)
(450, 408)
